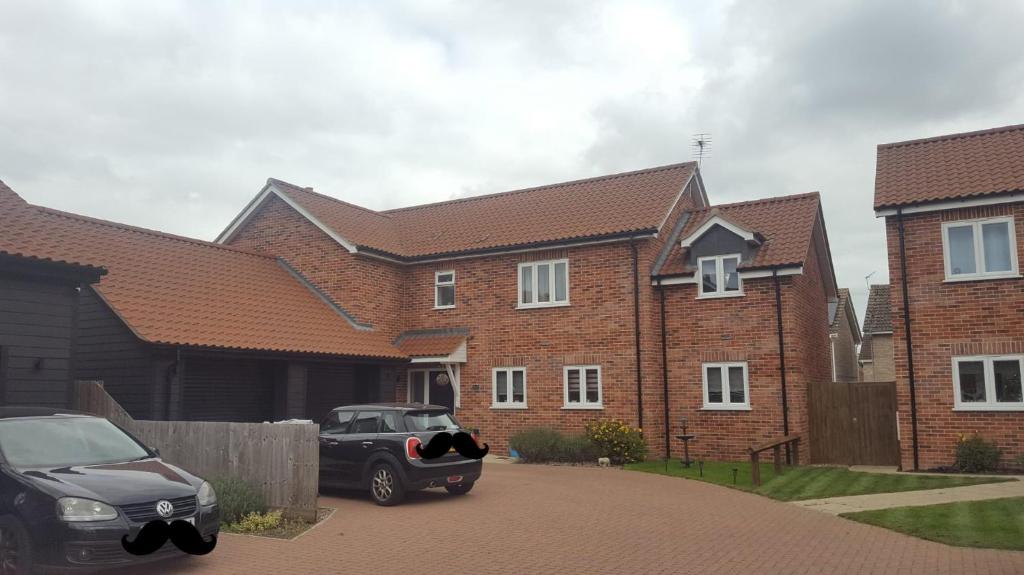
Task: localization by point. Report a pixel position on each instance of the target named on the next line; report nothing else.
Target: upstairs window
(444, 290)
(719, 276)
(583, 387)
(726, 386)
(988, 383)
(979, 249)
(544, 284)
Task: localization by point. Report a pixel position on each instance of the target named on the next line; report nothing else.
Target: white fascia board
(952, 205)
(713, 221)
(683, 280)
(271, 189)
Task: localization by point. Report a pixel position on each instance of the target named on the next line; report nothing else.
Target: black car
(374, 447)
(71, 485)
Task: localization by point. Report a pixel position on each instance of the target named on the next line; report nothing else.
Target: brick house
(844, 337)
(954, 210)
(621, 296)
(876, 352)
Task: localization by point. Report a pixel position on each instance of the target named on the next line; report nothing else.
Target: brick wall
(948, 319)
(369, 289)
(881, 367)
(844, 351)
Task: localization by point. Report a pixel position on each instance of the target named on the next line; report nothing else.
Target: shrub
(257, 522)
(543, 445)
(975, 455)
(617, 441)
(237, 499)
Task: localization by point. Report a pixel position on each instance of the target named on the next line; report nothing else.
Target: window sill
(592, 407)
(990, 407)
(541, 305)
(444, 307)
(726, 408)
(499, 406)
(720, 295)
(976, 278)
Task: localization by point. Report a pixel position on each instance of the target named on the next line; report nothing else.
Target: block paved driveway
(538, 519)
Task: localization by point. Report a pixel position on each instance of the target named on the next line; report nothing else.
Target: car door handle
(329, 442)
(367, 443)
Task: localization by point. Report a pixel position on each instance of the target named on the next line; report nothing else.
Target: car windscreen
(430, 421)
(65, 442)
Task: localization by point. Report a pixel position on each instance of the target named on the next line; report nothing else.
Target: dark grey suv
(374, 447)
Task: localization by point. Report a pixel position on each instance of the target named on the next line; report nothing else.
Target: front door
(433, 387)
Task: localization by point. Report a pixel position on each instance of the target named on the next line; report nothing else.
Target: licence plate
(454, 479)
(189, 520)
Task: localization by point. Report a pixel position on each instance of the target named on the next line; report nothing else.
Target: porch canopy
(443, 347)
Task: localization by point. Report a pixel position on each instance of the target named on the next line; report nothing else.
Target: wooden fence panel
(853, 423)
(281, 460)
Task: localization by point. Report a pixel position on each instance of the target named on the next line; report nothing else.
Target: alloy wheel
(383, 484)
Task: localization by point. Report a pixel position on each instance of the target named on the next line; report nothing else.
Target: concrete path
(837, 505)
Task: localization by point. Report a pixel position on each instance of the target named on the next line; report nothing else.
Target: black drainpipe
(664, 371)
(782, 359)
(636, 329)
(910, 341)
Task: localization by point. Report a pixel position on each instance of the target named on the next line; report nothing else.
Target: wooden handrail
(776, 447)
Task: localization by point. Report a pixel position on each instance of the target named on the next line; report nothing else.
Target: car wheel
(460, 489)
(15, 548)
(386, 486)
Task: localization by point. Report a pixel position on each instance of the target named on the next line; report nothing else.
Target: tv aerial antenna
(701, 146)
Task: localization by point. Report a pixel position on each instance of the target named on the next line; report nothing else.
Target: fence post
(755, 468)
(796, 452)
(777, 453)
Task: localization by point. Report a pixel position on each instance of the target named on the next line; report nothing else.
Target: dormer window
(719, 276)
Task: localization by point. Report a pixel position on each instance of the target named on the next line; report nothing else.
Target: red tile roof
(950, 167)
(624, 203)
(430, 346)
(786, 224)
(180, 291)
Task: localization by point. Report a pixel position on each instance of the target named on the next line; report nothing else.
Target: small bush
(975, 455)
(545, 445)
(237, 499)
(257, 522)
(617, 441)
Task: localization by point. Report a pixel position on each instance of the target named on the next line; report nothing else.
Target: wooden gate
(853, 423)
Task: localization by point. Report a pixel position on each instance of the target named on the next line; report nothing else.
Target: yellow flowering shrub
(257, 522)
(617, 441)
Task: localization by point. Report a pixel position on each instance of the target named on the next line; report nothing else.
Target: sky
(172, 114)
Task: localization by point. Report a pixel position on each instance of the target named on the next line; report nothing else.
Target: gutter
(909, 338)
(664, 372)
(782, 359)
(636, 333)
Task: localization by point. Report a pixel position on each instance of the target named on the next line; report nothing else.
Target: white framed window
(582, 387)
(444, 290)
(726, 386)
(544, 284)
(988, 383)
(509, 388)
(719, 276)
(980, 249)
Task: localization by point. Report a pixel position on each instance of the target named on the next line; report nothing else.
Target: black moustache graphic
(463, 442)
(154, 534)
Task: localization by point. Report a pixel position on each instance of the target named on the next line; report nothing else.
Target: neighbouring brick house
(876, 354)
(544, 306)
(954, 210)
(844, 336)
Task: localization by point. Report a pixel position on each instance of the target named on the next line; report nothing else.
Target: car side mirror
(155, 450)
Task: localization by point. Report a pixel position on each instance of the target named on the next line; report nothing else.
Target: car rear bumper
(92, 546)
(439, 475)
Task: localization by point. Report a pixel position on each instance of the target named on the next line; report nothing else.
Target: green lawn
(798, 483)
(996, 523)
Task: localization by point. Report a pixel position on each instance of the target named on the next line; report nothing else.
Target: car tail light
(476, 438)
(410, 447)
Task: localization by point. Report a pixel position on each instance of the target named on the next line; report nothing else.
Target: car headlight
(78, 509)
(207, 496)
